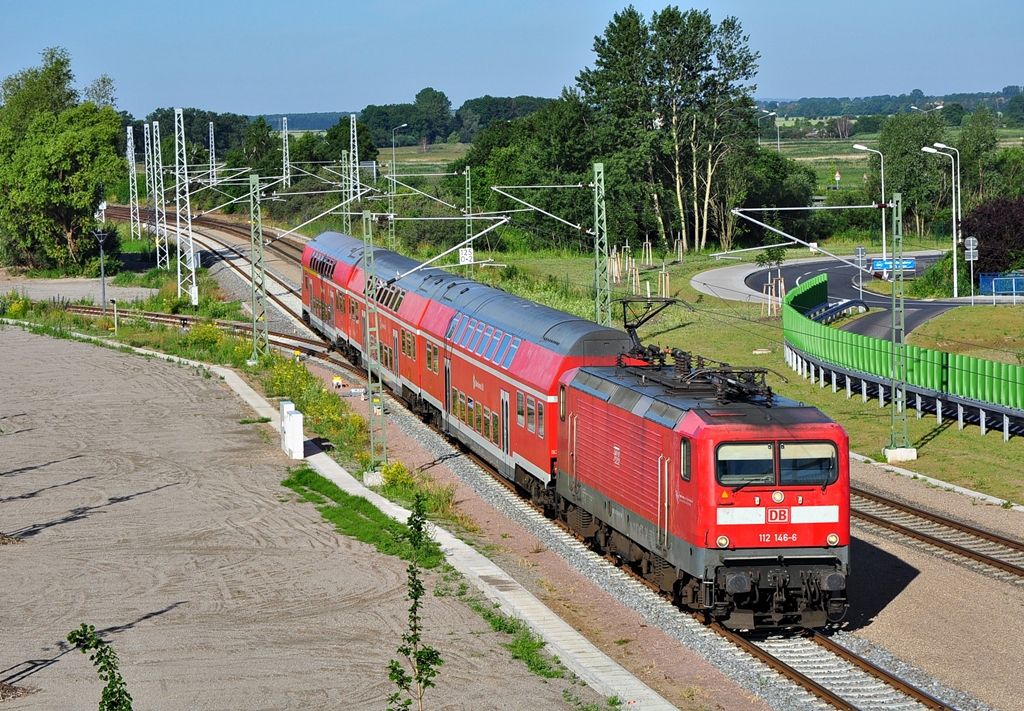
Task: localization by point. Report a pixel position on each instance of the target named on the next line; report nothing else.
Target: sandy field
(147, 510)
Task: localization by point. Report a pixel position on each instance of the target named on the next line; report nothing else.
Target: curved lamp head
(928, 149)
(859, 147)
(940, 145)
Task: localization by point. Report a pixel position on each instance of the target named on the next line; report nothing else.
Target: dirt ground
(147, 510)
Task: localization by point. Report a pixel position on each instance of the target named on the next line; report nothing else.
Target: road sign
(971, 243)
(466, 255)
(838, 176)
(971, 255)
(860, 257)
(885, 265)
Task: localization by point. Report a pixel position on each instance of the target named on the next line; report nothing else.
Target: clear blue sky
(337, 55)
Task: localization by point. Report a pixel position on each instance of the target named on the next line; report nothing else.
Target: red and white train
(729, 498)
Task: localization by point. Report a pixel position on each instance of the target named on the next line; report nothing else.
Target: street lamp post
(393, 153)
(952, 180)
(881, 170)
(959, 194)
(928, 111)
(764, 111)
(101, 236)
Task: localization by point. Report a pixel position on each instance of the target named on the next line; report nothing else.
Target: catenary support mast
(187, 285)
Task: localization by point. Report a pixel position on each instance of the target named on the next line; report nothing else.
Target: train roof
(656, 393)
(553, 329)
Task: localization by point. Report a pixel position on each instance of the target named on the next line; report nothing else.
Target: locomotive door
(664, 482)
(504, 423)
(447, 391)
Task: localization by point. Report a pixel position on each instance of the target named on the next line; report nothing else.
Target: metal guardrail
(941, 404)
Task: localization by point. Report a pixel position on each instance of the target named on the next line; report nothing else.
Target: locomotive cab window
(808, 464)
(745, 464)
(684, 459)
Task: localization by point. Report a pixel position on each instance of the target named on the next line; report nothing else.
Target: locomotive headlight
(833, 539)
(778, 496)
(723, 541)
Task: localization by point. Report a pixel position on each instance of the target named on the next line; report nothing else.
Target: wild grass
(524, 645)
(356, 517)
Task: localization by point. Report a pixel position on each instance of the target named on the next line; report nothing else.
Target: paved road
(843, 284)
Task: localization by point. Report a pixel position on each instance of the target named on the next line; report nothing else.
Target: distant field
(436, 158)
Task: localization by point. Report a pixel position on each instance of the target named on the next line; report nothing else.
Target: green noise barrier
(949, 373)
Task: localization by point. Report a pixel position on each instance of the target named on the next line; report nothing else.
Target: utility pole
(374, 379)
(187, 281)
(133, 187)
(260, 334)
(163, 260)
(287, 167)
(899, 449)
(602, 277)
(353, 153)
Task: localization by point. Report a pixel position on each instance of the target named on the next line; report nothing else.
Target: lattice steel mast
(133, 186)
(186, 250)
(213, 157)
(346, 193)
(469, 210)
(602, 276)
(260, 333)
(898, 437)
(285, 159)
(163, 260)
(374, 379)
(147, 147)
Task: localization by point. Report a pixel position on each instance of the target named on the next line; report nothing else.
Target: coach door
(504, 423)
(447, 391)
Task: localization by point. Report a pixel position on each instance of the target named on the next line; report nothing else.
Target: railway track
(825, 668)
(1003, 556)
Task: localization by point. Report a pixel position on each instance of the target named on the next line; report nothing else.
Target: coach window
(501, 349)
(462, 329)
(495, 431)
(469, 333)
(451, 328)
(485, 340)
(520, 409)
(494, 345)
(412, 345)
(561, 403)
(476, 337)
(487, 423)
(479, 417)
(462, 407)
(469, 412)
(530, 409)
(684, 459)
(455, 402)
(507, 360)
(540, 418)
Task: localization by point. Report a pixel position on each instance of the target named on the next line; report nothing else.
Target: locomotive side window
(520, 410)
(743, 464)
(684, 459)
(810, 464)
(561, 403)
(530, 409)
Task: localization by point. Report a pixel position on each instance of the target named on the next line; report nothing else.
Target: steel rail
(936, 518)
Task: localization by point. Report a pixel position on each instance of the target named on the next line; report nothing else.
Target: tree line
(885, 104)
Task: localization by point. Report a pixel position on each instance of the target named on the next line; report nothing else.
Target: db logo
(778, 515)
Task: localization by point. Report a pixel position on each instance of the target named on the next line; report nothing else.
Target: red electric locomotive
(729, 498)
